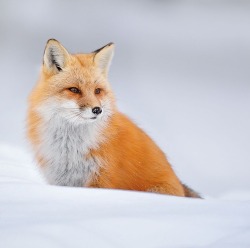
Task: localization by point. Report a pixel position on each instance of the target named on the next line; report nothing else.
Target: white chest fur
(65, 148)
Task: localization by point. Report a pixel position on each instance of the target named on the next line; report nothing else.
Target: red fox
(81, 139)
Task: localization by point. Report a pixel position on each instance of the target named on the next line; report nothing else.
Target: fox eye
(75, 90)
(97, 91)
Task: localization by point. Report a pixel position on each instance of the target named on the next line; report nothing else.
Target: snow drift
(34, 214)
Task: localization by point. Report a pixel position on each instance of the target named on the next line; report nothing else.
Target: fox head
(75, 87)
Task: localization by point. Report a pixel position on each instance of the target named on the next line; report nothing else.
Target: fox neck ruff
(66, 148)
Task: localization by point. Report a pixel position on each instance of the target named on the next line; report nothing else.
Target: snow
(34, 214)
(181, 71)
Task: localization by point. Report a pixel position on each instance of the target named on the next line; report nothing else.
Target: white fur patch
(66, 141)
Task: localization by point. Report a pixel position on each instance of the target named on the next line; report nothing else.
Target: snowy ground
(33, 214)
(181, 71)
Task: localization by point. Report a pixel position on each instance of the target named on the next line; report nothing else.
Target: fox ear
(103, 57)
(55, 56)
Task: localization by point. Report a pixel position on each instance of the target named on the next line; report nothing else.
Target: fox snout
(91, 112)
(96, 110)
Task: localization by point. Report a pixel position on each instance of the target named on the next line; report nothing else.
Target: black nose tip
(96, 110)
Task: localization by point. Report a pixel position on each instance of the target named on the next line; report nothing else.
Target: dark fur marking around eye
(98, 91)
(75, 90)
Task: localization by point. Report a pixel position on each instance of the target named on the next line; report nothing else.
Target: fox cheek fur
(80, 138)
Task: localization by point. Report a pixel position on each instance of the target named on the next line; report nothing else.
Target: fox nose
(96, 110)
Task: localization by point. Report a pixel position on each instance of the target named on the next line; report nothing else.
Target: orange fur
(129, 158)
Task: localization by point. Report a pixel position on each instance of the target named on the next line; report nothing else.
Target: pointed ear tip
(52, 40)
(111, 44)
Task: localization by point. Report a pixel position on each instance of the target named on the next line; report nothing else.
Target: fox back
(81, 139)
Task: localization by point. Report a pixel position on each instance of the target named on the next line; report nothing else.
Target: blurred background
(181, 71)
